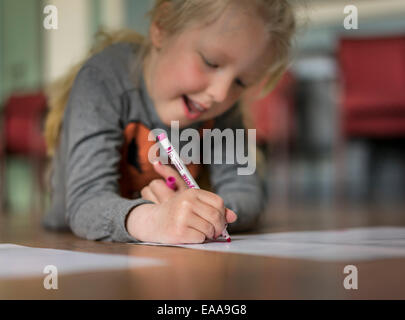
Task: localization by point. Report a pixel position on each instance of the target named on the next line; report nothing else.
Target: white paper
(336, 245)
(20, 261)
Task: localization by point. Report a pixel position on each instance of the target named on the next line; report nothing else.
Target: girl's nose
(220, 87)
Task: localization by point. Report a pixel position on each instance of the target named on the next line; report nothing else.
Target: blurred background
(331, 134)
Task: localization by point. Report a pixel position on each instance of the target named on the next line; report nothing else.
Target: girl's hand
(190, 216)
(157, 190)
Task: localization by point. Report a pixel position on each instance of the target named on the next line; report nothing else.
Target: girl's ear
(157, 33)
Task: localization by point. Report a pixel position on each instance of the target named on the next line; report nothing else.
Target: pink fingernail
(171, 183)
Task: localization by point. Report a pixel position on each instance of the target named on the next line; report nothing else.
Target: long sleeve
(91, 139)
(237, 182)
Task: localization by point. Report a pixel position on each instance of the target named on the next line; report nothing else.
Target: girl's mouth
(192, 109)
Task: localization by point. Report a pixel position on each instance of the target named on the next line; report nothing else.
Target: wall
(71, 41)
(20, 52)
(135, 17)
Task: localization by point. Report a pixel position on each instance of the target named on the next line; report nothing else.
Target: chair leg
(3, 185)
(35, 186)
(38, 185)
(2, 182)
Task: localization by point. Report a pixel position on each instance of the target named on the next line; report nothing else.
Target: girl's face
(200, 73)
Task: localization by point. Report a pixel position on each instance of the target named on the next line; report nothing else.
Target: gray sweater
(85, 178)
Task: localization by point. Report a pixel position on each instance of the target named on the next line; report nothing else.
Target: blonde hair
(174, 16)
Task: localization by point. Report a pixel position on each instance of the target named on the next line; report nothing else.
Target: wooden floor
(192, 274)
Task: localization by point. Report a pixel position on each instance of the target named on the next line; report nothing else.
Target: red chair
(373, 108)
(22, 124)
(373, 75)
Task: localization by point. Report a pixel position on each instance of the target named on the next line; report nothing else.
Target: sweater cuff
(120, 233)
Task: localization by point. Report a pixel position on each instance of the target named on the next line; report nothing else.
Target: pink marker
(183, 171)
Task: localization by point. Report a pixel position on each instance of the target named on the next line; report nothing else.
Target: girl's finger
(148, 194)
(212, 199)
(201, 225)
(230, 215)
(212, 215)
(192, 235)
(160, 190)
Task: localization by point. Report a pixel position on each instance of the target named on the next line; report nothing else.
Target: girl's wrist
(137, 223)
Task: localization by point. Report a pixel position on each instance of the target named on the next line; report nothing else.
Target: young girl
(199, 58)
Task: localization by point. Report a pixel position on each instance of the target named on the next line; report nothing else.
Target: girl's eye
(215, 66)
(240, 83)
(209, 64)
